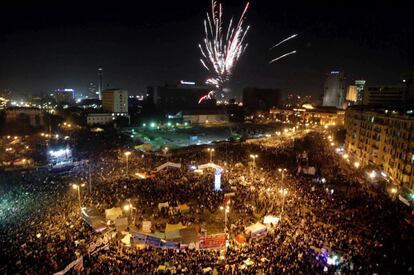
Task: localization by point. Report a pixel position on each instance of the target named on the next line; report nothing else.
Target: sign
(212, 241)
(170, 245)
(139, 238)
(153, 241)
(146, 226)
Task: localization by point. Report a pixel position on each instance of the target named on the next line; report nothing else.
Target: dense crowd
(341, 217)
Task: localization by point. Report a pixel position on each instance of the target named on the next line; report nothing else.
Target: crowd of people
(363, 230)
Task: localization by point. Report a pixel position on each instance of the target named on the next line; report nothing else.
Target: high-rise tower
(100, 83)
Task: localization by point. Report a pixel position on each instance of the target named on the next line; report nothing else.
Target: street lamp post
(226, 211)
(211, 150)
(127, 154)
(282, 190)
(77, 187)
(89, 176)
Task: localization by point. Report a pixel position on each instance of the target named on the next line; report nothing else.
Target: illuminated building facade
(115, 101)
(309, 115)
(360, 84)
(383, 138)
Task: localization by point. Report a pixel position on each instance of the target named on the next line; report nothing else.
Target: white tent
(256, 229)
(210, 165)
(113, 213)
(168, 164)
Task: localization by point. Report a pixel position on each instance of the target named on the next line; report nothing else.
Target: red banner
(212, 241)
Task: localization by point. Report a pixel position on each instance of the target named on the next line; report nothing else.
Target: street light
(211, 150)
(77, 187)
(127, 154)
(226, 211)
(254, 157)
(284, 192)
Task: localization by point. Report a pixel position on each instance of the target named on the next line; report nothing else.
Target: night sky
(47, 46)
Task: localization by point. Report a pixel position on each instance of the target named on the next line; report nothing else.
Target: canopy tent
(188, 235)
(172, 231)
(113, 213)
(92, 217)
(271, 220)
(210, 165)
(256, 229)
(162, 205)
(168, 164)
(183, 208)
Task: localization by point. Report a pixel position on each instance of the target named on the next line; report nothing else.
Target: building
(307, 114)
(382, 138)
(115, 101)
(352, 94)
(3, 103)
(100, 119)
(173, 98)
(257, 99)
(384, 96)
(206, 116)
(100, 82)
(334, 90)
(360, 84)
(64, 96)
(31, 116)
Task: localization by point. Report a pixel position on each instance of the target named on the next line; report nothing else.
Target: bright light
(75, 186)
(153, 125)
(394, 190)
(357, 164)
(144, 124)
(126, 207)
(323, 180)
(59, 153)
(345, 156)
(254, 156)
(373, 174)
(332, 143)
(127, 153)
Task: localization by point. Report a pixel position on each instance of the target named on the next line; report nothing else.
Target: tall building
(93, 91)
(64, 96)
(334, 90)
(360, 84)
(172, 98)
(257, 99)
(100, 83)
(384, 96)
(352, 94)
(115, 101)
(383, 138)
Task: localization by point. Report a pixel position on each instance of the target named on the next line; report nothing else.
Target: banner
(139, 238)
(153, 241)
(212, 241)
(78, 262)
(170, 245)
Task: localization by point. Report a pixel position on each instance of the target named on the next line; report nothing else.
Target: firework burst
(222, 47)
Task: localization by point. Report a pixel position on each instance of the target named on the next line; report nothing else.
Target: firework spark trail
(222, 47)
(282, 56)
(283, 41)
